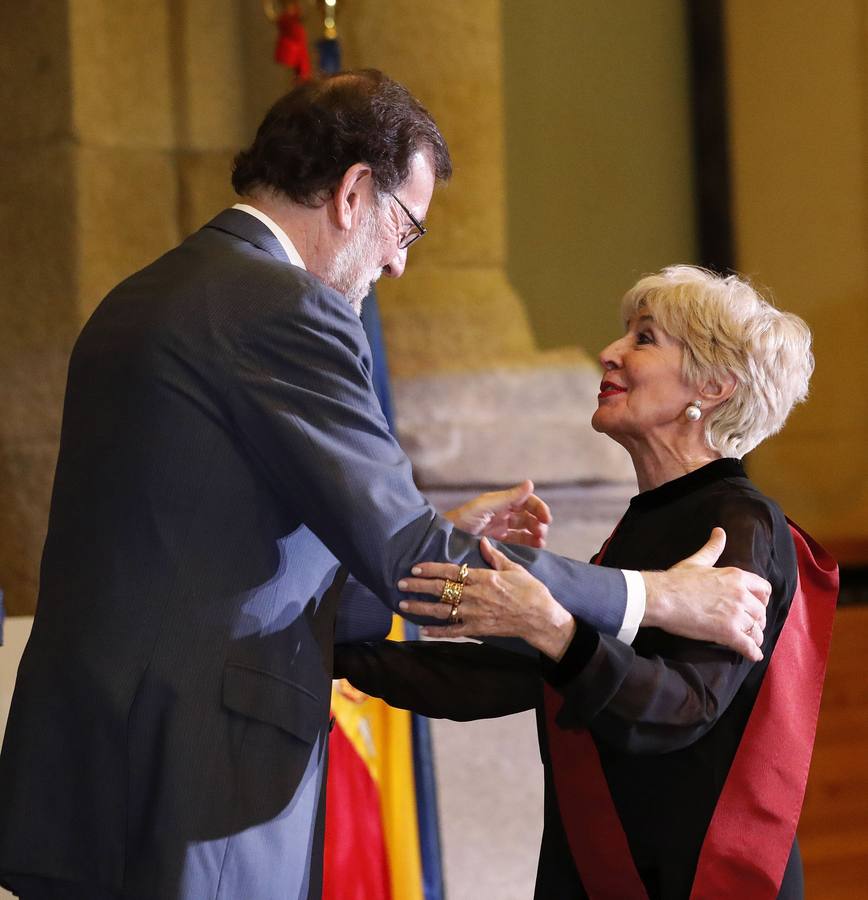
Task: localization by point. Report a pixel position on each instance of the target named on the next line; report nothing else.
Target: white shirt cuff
(635, 611)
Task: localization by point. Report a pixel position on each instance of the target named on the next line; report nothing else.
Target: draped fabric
(356, 865)
(751, 834)
(372, 846)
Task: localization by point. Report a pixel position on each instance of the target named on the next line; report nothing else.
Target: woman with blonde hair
(674, 768)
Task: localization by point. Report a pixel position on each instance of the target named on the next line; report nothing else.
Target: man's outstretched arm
(692, 599)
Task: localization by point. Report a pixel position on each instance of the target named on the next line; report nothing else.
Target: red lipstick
(609, 389)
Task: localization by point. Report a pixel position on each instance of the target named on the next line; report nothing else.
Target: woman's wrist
(554, 632)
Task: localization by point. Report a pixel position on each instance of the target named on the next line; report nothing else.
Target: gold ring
(454, 618)
(462, 573)
(451, 592)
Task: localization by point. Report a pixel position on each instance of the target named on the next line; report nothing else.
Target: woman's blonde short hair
(725, 326)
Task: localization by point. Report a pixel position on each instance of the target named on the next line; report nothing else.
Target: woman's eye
(643, 337)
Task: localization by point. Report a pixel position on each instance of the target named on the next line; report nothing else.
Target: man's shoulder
(219, 290)
(253, 281)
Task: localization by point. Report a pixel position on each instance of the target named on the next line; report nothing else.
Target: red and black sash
(751, 833)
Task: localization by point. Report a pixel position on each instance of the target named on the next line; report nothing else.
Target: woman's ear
(716, 390)
(347, 199)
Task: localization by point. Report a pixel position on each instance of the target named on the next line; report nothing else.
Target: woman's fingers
(428, 610)
(435, 570)
(495, 558)
(447, 631)
(432, 586)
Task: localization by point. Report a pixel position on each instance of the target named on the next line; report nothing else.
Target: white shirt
(635, 609)
(277, 231)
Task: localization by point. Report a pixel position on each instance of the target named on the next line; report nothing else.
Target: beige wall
(799, 130)
(599, 175)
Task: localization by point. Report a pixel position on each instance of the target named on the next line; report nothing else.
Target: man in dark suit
(221, 450)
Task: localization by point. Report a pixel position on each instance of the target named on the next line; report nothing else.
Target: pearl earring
(694, 411)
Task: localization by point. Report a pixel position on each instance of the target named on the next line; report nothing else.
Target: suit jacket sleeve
(300, 396)
(361, 615)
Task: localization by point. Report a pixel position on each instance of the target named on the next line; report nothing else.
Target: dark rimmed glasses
(419, 230)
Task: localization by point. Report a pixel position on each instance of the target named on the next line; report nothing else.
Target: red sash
(751, 833)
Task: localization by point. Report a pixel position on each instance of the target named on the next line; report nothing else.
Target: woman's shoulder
(739, 498)
(756, 528)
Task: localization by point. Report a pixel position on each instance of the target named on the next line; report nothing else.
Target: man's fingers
(758, 586)
(752, 628)
(745, 645)
(755, 609)
(709, 554)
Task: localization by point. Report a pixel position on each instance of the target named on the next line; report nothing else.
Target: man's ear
(718, 389)
(355, 186)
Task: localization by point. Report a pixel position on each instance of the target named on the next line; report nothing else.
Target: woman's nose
(610, 357)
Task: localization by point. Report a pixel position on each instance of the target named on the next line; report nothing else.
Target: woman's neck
(657, 465)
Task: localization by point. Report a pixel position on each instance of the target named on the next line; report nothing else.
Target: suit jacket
(221, 449)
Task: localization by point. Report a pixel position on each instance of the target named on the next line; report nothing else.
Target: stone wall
(121, 120)
(38, 270)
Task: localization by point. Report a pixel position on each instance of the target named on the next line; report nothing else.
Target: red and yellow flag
(372, 849)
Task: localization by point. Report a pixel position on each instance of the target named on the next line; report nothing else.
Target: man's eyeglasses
(418, 229)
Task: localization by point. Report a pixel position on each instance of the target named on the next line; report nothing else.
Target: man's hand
(516, 516)
(695, 600)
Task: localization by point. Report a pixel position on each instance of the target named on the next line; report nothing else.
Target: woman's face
(643, 393)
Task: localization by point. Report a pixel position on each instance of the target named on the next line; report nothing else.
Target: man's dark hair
(313, 134)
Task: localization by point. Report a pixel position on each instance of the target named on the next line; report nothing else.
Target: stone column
(476, 401)
(37, 278)
(453, 309)
(122, 119)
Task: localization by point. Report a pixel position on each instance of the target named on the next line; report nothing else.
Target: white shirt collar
(276, 230)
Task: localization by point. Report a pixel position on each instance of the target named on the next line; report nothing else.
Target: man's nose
(394, 268)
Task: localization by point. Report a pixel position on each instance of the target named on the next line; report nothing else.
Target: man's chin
(357, 298)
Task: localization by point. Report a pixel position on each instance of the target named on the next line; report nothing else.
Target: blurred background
(593, 141)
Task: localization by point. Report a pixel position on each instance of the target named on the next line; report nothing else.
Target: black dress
(666, 713)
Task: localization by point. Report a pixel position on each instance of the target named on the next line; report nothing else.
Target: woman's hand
(505, 600)
(516, 516)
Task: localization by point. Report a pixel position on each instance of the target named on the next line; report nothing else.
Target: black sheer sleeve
(442, 679)
(663, 701)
